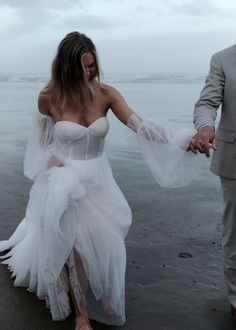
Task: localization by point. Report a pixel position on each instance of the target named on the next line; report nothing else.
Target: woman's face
(89, 65)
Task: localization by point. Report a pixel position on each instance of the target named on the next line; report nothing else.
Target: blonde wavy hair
(69, 82)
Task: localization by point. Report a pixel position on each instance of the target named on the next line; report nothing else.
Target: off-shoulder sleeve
(163, 148)
(38, 147)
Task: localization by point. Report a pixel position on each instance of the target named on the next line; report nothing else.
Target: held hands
(203, 141)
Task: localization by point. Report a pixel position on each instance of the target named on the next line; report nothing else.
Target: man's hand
(203, 141)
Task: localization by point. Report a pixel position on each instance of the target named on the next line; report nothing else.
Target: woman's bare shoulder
(44, 102)
(110, 91)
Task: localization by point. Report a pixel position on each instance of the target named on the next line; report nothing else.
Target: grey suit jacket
(220, 90)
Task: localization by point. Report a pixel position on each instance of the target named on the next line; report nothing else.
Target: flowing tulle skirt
(72, 239)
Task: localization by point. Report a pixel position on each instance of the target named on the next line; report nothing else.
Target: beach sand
(174, 278)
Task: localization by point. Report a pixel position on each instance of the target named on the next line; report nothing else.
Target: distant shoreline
(156, 78)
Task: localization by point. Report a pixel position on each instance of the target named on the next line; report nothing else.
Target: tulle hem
(73, 235)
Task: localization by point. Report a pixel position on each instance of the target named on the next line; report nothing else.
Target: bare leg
(81, 318)
(82, 322)
(82, 277)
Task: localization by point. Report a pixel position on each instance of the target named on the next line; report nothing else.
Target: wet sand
(174, 278)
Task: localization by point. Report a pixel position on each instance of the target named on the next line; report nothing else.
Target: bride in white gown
(71, 242)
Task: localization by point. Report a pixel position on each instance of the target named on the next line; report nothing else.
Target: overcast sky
(132, 36)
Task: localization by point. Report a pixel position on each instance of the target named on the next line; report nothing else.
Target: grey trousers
(229, 236)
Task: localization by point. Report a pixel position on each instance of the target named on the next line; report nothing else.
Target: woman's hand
(53, 161)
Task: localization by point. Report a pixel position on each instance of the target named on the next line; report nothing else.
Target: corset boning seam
(68, 149)
(87, 146)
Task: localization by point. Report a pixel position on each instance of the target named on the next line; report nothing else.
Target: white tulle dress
(77, 217)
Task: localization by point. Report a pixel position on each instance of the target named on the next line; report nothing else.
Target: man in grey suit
(220, 89)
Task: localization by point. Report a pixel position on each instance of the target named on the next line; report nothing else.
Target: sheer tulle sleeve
(38, 148)
(163, 148)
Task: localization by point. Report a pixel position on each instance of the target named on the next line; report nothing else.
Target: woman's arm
(127, 116)
(44, 109)
(122, 110)
(118, 105)
(44, 104)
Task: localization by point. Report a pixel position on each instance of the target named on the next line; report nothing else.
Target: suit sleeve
(211, 96)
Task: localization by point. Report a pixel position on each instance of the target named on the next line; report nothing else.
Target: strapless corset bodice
(79, 142)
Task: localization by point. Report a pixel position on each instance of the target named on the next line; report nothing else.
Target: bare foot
(82, 323)
(107, 306)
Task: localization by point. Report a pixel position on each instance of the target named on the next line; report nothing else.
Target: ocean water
(160, 96)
